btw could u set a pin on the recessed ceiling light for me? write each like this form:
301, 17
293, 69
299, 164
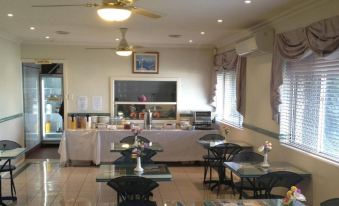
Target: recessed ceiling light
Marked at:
202, 33
248, 1
219, 20
47, 37
117, 39
10, 15
32, 28
190, 41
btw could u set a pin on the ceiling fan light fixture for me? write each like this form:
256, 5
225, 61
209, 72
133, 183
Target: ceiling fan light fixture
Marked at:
111, 13
124, 53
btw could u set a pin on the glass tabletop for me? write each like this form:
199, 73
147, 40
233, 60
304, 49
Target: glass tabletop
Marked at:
12, 153
208, 144
156, 172
119, 147
253, 170
248, 202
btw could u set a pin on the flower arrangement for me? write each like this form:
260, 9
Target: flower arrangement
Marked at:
266, 147
293, 194
137, 151
227, 131
136, 131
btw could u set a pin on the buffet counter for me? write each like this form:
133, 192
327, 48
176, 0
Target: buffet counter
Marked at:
94, 145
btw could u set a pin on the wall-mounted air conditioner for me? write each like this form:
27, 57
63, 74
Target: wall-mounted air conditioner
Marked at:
260, 43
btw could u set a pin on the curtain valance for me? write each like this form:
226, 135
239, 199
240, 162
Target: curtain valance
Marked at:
230, 60
321, 37
227, 60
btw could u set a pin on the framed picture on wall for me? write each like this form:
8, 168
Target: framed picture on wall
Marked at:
146, 63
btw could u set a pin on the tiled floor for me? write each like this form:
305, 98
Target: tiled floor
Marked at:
44, 152
47, 183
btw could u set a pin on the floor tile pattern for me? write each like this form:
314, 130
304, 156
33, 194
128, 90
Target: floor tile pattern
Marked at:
46, 183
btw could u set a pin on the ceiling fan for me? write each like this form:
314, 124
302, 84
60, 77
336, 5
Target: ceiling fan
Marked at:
123, 49
112, 10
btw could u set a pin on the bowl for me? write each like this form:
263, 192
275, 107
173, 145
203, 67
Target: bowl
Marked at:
94, 119
104, 119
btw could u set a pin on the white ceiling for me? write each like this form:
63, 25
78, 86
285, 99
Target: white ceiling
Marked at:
184, 17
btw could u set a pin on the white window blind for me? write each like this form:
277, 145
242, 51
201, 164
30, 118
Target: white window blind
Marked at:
226, 106
310, 106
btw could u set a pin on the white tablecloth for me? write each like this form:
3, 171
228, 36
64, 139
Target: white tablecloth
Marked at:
94, 145
79, 145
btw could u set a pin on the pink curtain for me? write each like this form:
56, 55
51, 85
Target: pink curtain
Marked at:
321, 37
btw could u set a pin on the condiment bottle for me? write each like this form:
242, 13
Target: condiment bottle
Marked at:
88, 121
48, 126
73, 122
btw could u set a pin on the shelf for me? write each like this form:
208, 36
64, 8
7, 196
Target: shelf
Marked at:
53, 133
146, 103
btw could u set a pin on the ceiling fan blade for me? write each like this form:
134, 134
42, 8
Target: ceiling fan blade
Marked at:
144, 12
137, 47
124, 2
67, 5
100, 48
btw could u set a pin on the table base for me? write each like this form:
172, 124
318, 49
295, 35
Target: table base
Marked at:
7, 198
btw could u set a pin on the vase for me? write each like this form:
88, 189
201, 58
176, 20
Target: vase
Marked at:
226, 138
135, 144
265, 162
138, 168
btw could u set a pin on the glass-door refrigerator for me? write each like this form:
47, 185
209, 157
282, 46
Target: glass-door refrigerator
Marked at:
51, 100
31, 94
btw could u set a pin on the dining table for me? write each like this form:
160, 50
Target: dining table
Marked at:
119, 147
248, 202
229, 202
252, 170
208, 144
156, 172
7, 156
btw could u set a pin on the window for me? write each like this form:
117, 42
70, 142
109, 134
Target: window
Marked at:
310, 106
226, 105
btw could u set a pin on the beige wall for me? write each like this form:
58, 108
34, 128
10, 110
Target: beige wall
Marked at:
89, 72
10, 90
325, 181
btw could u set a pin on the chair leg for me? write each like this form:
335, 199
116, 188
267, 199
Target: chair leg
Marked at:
205, 170
232, 182
221, 179
209, 185
13, 190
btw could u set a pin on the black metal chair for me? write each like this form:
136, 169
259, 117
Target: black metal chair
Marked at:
330, 202
222, 153
208, 156
133, 190
7, 166
272, 180
130, 139
247, 157
126, 158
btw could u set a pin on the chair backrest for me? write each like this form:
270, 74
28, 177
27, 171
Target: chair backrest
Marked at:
132, 187
126, 157
225, 152
130, 139
212, 137
330, 202
247, 156
283, 179
8, 144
